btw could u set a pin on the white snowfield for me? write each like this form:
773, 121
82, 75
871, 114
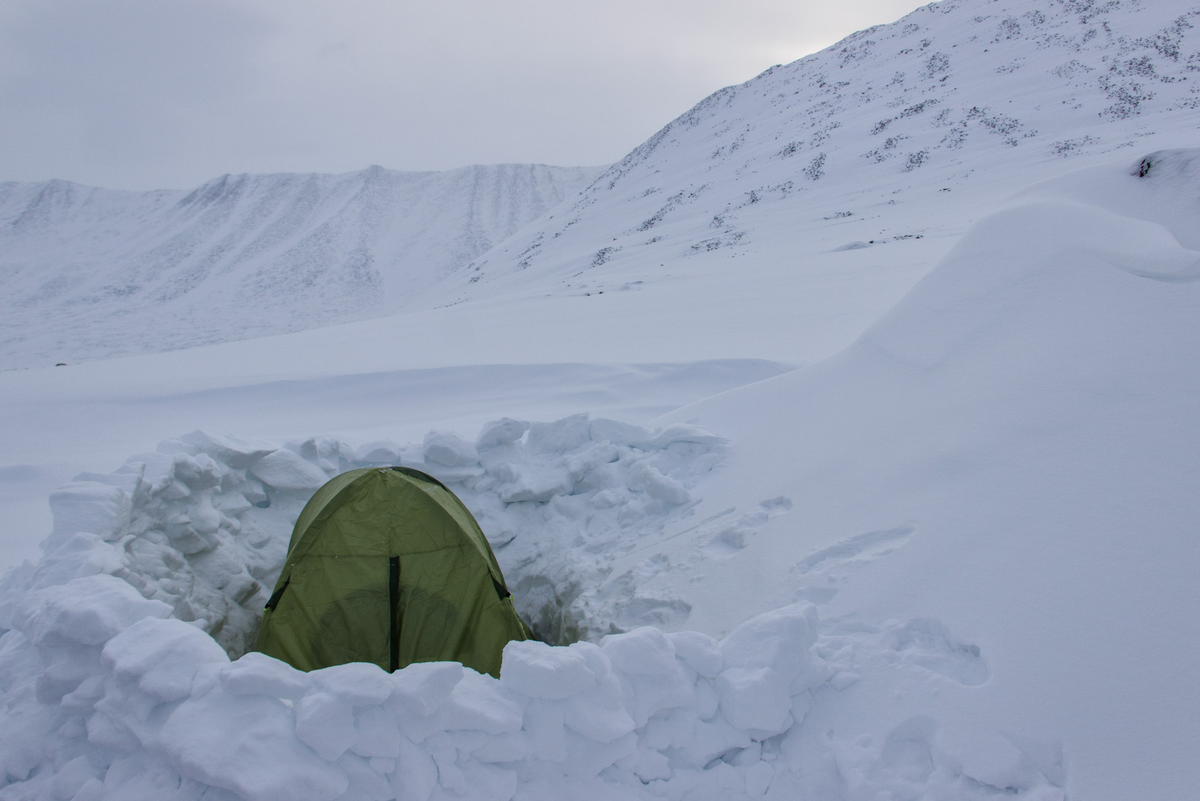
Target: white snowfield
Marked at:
953, 556
944, 488
89, 273
1012, 451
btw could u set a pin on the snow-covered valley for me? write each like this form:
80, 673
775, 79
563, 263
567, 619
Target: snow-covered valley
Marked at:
898, 450
89, 273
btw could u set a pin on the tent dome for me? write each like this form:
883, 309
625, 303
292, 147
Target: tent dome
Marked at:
387, 565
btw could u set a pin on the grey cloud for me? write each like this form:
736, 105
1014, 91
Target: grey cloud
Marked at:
152, 93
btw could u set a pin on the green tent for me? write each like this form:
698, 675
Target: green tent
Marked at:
386, 565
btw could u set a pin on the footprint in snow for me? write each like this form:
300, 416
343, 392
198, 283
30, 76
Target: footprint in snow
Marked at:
922, 644
727, 540
925, 643
820, 571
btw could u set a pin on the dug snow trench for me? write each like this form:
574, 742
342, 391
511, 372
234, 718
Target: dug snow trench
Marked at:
203, 524
117, 680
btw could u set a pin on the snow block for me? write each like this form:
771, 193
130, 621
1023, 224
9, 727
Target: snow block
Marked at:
259, 674
642, 652
227, 740
762, 657
501, 432
617, 433
532, 484
754, 698
228, 450
81, 555
599, 713
779, 639
325, 723
379, 452
161, 657
560, 436
288, 470
129, 481
90, 506
157, 470
422, 687
449, 450
378, 732
88, 610
197, 472
698, 651
663, 488
357, 683
542, 671
480, 703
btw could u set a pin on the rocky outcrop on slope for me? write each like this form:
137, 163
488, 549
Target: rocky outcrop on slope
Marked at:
957, 95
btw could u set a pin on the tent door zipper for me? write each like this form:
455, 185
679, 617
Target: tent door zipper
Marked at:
275, 596
394, 606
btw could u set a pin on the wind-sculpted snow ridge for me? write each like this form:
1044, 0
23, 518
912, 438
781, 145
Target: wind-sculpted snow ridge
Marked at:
829, 150
1013, 449
88, 273
116, 680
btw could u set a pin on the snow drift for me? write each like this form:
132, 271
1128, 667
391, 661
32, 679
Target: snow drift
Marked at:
1010, 451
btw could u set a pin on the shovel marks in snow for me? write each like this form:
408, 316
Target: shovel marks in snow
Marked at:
821, 570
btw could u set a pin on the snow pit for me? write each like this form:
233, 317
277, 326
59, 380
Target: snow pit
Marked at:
203, 524
116, 679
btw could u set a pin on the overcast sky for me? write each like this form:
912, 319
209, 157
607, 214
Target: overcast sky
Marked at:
144, 94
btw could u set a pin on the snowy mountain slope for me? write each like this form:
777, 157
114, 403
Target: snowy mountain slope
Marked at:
88, 273
1009, 453
899, 131
988, 497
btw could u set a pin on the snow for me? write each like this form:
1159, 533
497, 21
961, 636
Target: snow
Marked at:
898, 133
1005, 455
133, 687
93, 273
951, 555
209, 538
117, 651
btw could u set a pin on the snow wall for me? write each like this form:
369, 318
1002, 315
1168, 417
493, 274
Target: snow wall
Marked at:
117, 680
203, 524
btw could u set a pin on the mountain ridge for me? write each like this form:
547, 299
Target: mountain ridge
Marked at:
272, 253
944, 99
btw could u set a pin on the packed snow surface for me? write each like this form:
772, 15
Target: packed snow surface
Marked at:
952, 556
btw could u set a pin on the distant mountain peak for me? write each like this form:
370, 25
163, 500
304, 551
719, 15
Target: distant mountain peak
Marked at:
88, 272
